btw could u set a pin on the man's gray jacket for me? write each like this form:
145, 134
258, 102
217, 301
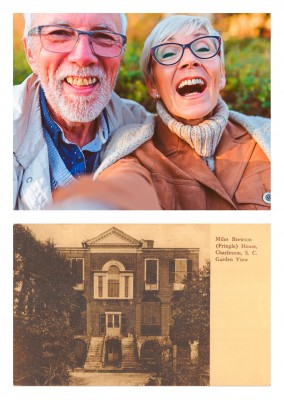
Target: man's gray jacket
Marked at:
32, 190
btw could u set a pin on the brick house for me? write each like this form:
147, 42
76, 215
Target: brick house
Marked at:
126, 288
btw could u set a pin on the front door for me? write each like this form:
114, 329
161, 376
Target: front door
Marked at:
113, 352
113, 324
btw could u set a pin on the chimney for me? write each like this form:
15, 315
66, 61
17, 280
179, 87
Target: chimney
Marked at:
147, 244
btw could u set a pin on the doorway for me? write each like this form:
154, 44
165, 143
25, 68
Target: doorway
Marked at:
113, 324
113, 353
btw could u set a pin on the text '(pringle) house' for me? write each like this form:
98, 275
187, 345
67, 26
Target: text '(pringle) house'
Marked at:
126, 289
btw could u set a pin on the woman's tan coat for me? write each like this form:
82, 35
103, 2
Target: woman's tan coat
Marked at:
182, 180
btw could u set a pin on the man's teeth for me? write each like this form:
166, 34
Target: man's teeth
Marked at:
81, 81
191, 82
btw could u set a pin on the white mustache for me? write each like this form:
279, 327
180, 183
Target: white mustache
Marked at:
63, 72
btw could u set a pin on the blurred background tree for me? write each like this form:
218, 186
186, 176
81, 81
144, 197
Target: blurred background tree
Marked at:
247, 56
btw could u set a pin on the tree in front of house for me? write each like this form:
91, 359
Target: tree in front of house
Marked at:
44, 298
191, 325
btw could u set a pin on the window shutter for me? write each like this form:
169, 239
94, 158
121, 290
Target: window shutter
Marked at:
73, 266
102, 324
189, 270
80, 277
171, 271
77, 269
123, 324
131, 287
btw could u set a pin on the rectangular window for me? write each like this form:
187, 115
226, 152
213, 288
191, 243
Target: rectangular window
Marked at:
151, 271
77, 269
116, 321
113, 320
151, 319
113, 288
179, 269
151, 313
151, 275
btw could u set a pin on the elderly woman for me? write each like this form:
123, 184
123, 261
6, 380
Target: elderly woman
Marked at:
198, 154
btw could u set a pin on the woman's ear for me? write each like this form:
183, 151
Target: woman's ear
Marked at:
151, 86
30, 55
222, 82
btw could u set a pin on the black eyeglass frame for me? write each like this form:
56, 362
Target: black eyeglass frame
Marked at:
186, 46
37, 31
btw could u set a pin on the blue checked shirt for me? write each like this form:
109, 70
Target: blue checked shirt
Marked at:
77, 160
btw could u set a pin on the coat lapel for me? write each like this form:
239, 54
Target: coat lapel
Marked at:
235, 145
232, 156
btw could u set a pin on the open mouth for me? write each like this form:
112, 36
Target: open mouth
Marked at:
188, 87
78, 81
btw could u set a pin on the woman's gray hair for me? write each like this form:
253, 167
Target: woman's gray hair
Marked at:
168, 27
29, 18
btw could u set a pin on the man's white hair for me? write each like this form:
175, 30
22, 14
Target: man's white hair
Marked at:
29, 18
168, 27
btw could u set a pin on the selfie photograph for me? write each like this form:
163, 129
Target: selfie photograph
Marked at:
110, 116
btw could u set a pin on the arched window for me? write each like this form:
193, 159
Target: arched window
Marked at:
113, 281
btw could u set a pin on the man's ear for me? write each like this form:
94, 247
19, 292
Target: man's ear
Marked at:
30, 56
151, 86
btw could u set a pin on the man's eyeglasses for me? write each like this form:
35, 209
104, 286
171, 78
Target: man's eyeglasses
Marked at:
171, 53
62, 39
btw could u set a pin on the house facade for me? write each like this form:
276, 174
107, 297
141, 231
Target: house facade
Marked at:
126, 289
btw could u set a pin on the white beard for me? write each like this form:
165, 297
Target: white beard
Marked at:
78, 108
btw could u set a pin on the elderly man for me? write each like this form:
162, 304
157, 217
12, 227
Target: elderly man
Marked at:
66, 111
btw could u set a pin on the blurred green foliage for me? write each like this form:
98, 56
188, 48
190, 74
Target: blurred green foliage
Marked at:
130, 82
21, 67
247, 63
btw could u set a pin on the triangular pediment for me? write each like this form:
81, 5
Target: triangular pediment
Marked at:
113, 237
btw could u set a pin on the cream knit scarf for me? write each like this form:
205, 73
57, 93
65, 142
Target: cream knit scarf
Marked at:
203, 138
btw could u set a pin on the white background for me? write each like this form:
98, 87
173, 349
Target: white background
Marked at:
8, 217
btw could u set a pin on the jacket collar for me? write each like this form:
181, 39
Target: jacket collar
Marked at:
168, 142
235, 141
27, 127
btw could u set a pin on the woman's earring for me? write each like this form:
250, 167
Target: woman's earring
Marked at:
157, 96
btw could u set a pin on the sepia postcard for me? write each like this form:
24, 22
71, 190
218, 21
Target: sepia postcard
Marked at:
142, 305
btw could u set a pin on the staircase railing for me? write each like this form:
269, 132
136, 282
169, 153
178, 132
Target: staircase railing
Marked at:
89, 339
135, 346
103, 352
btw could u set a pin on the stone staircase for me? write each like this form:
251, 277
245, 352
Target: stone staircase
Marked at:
94, 356
129, 356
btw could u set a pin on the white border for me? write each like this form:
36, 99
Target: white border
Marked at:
8, 217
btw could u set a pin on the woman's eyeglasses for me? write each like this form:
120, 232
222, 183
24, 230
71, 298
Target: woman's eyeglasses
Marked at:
171, 53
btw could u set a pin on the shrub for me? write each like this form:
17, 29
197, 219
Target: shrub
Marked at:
248, 76
21, 67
